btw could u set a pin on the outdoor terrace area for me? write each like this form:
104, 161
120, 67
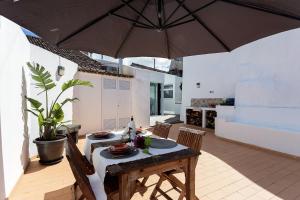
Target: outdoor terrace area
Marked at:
225, 170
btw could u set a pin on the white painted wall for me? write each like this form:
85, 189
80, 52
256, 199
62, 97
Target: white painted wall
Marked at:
281, 140
268, 103
173, 105
264, 78
141, 96
2, 179
87, 111
14, 53
141, 93
275, 58
178, 91
212, 72
50, 61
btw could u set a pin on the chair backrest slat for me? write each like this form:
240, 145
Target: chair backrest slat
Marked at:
73, 151
81, 179
162, 129
191, 138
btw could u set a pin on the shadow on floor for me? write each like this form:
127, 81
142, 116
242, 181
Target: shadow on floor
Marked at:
66, 193
35, 166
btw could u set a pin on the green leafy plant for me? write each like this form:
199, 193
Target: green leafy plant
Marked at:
147, 142
50, 116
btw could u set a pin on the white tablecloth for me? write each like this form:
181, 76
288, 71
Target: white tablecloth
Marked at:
88, 142
118, 136
100, 163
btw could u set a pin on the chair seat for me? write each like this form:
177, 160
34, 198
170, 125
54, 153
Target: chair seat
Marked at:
97, 187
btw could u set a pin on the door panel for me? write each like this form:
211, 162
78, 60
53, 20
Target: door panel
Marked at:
109, 103
109, 124
124, 102
123, 122
116, 103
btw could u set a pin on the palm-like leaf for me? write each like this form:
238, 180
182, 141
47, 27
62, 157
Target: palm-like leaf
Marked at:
57, 113
68, 100
40, 120
41, 76
75, 82
36, 105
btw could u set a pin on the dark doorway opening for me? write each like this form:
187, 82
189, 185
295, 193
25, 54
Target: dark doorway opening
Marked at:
155, 99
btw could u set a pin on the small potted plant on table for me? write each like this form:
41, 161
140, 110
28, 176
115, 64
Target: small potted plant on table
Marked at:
49, 144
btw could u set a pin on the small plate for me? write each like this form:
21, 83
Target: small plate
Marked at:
130, 153
119, 149
101, 134
108, 136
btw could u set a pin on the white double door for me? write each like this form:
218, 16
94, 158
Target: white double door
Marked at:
116, 103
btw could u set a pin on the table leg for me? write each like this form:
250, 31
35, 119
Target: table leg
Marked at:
190, 179
124, 187
203, 118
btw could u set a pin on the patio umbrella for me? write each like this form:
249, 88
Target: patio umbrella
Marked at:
160, 28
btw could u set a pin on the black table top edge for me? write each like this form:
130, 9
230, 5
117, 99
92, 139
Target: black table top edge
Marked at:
122, 168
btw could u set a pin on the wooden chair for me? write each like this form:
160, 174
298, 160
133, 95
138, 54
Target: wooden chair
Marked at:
82, 181
161, 129
188, 137
82, 161
86, 178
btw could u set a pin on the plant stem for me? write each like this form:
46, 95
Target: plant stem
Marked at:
47, 104
55, 102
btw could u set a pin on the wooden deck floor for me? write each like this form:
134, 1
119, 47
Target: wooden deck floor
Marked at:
225, 170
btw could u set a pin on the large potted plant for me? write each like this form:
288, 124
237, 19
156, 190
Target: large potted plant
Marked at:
49, 144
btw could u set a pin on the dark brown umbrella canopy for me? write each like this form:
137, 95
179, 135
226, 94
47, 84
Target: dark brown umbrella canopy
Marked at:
160, 28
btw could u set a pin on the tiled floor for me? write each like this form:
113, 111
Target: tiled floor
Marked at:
225, 170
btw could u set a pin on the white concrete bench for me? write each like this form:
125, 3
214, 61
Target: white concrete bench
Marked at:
277, 129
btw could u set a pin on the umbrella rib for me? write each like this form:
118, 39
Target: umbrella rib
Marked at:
146, 27
190, 13
89, 24
158, 11
179, 23
262, 9
130, 30
127, 3
132, 20
205, 26
174, 11
165, 30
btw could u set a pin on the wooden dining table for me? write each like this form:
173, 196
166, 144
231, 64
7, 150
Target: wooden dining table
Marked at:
129, 172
